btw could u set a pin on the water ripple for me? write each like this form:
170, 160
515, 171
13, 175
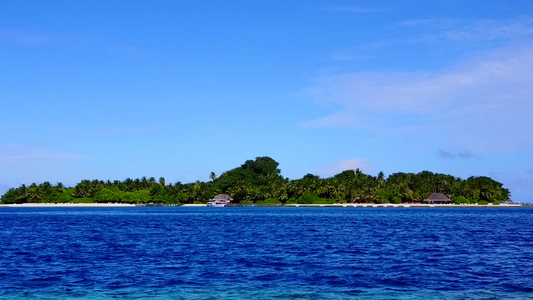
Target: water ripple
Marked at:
307, 253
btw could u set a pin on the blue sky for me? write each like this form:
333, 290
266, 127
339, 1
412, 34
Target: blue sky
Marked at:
117, 89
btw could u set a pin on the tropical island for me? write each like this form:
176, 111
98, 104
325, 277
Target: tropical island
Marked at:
259, 182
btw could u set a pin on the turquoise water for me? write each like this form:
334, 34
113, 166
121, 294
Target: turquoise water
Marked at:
266, 253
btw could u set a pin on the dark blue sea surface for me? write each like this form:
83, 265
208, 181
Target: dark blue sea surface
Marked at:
266, 253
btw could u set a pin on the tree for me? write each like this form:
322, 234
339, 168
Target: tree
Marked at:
380, 179
44, 190
261, 166
212, 176
384, 196
60, 187
108, 195
22, 194
57, 197
11, 196
260, 179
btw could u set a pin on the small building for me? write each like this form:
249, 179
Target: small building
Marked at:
220, 200
438, 198
223, 197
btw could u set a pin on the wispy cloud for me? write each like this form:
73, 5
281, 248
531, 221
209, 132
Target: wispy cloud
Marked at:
25, 37
131, 130
426, 92
449, 32
6, 132
16, 153
343, 56
355, 9
474, 30
349, 164
131, 52
126, 131
36, 38
452, 155
446, 154
487, 99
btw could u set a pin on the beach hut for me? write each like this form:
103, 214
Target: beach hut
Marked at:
220, 200
438, 198
223, 197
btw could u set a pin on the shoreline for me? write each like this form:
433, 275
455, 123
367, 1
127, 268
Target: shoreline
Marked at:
403, 205
361, 205
69, 205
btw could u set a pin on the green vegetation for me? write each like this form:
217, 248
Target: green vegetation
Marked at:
269, 201
310, 198
259, 181
460, 200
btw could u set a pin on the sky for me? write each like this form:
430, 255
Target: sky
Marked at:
179, 89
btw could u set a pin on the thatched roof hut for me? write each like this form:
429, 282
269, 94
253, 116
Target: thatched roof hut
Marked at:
223, 197
438, 198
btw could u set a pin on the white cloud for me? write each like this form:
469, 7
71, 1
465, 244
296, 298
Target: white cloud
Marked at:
343, 165
458, 33
421, 92
484, 102
17, 153
476, 30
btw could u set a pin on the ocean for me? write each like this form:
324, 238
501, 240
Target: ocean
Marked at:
266, 253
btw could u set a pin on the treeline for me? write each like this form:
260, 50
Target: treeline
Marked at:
259, 181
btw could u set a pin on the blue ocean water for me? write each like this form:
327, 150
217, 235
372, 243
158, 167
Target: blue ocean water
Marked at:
266, 253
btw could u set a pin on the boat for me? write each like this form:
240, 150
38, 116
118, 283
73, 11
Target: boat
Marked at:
217, 203
220, 200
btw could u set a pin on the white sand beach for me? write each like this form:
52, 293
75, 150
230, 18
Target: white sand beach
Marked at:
287, 205
69, 205
399, 205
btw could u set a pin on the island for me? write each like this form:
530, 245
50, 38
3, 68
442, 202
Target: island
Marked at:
259, 182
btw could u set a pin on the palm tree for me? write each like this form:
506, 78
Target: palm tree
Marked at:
212, 176
60, 187
264, 192
380, 179
23, 194
144, 182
